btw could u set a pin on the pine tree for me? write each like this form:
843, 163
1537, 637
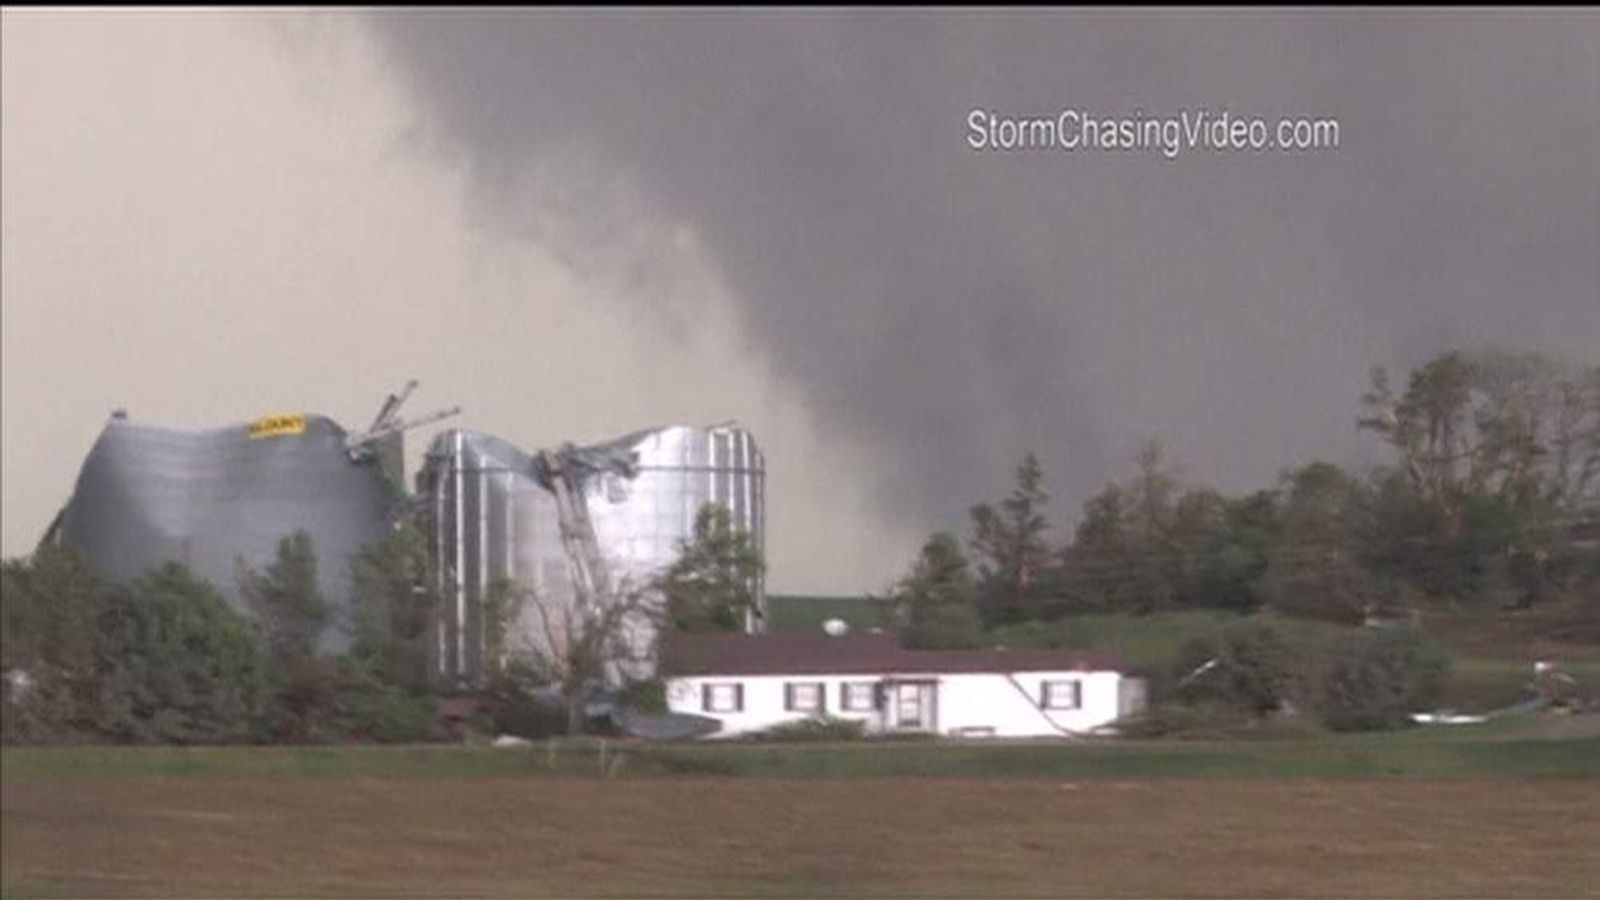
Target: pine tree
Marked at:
934, 604
291, 615
1014, 558
177, 664
395, 601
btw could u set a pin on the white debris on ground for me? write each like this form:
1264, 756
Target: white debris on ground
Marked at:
1447, 719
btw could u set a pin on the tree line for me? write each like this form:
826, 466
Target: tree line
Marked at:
166, 659
1488, 501
1490, 498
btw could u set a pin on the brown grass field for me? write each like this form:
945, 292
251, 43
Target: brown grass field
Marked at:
471, 837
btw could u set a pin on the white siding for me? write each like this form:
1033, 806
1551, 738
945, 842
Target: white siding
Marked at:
1011, 704
764, 700
1001, 704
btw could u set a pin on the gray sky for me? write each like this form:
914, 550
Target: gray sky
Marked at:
576, 224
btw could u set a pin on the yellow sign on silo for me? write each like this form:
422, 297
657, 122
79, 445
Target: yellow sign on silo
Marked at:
277, 426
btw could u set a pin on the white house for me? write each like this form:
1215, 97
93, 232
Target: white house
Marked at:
751, 682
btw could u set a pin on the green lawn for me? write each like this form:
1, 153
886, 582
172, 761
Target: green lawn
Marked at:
804, 612
1511, 746
1151, 644
1480, 683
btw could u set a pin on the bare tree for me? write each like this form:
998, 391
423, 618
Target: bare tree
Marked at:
586, 644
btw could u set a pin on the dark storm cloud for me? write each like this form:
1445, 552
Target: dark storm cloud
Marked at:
955, 309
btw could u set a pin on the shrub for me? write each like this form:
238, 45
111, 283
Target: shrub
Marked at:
1250, 668
390, 716
646, 696
303, 702
1210, 722
1375, 677
1205, 721
531, 717
816, 728
178, 664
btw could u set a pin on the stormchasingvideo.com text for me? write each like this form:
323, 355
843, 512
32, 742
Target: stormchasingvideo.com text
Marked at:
1203, 130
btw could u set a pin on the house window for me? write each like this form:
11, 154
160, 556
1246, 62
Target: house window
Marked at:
803, 696
722, 698
1063, 694
858, 696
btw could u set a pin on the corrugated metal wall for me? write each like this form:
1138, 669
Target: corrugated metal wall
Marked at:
490, 519
147, 495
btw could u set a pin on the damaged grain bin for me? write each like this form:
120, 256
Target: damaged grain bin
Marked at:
496, 516
148, 495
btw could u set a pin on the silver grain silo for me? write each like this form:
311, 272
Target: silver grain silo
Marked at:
488, 519
494, 517
148, 495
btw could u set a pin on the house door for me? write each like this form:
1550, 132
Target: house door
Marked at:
913, 707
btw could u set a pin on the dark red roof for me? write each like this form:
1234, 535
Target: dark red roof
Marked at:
724, 653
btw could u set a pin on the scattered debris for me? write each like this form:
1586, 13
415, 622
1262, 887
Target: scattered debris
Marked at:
1199, 670
1551, 689
1560, 690
1446, 718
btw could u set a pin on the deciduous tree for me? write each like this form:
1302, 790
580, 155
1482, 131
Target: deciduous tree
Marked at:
713, 584
584, 648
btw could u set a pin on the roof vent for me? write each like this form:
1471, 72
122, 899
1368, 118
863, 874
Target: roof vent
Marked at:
836, 627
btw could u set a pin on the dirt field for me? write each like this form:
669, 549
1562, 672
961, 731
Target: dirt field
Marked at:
164, 836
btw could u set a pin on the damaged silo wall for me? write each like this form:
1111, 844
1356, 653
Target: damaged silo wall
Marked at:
208, 499
492, 520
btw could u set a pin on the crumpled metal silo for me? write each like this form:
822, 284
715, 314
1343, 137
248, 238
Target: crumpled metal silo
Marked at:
148, 495
494, 516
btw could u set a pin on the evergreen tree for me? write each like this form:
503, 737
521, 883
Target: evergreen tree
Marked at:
396, 598
934, 604
1124, 557
176, 664
292, 616
1014, 557
48, 638
1222, 548
287, 601
1315, 567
